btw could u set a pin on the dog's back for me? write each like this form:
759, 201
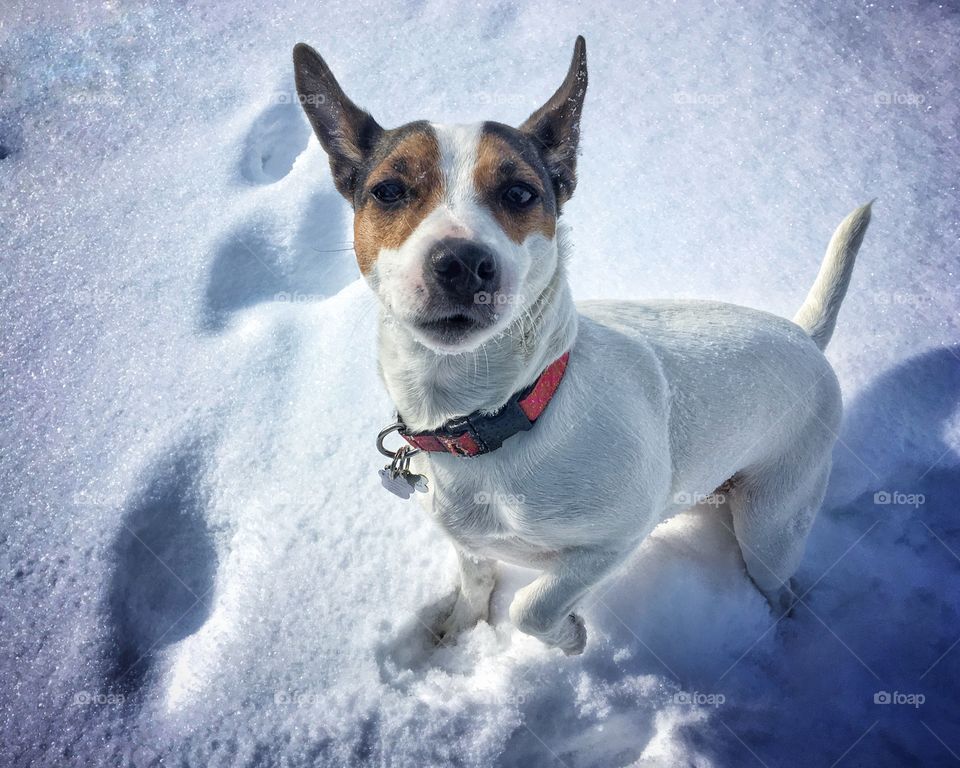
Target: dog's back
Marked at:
717, 357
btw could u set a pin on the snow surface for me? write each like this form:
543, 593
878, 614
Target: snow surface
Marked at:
199, 565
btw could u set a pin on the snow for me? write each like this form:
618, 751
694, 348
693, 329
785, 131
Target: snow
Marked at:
199, 565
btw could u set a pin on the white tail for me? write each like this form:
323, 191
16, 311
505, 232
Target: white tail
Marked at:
818, 314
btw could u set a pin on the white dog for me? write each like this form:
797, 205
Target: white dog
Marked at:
558, 436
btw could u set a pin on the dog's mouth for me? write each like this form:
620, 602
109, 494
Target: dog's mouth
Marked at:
453, 329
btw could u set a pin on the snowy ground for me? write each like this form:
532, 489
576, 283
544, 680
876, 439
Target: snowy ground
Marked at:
198, 563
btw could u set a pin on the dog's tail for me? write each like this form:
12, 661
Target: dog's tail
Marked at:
818, 314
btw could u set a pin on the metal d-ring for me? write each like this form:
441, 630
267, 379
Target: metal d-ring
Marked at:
405, 450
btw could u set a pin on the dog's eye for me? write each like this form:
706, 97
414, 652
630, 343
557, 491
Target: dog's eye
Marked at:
389, 192
518, 196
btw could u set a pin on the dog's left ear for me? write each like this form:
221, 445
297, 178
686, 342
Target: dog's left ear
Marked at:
555, 127
347, 133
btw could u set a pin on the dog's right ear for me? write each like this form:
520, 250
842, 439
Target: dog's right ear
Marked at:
346, 132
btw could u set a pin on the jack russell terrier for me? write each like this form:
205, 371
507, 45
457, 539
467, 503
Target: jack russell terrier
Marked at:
552, 435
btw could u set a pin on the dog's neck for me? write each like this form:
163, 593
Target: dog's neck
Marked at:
429, 388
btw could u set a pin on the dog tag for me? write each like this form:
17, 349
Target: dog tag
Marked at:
397, 478
417, 482
396, 483
402, 483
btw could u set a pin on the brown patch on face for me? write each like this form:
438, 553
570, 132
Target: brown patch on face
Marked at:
414, 162
498, 167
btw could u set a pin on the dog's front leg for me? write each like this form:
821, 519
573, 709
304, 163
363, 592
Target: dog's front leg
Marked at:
544, 608
472, 604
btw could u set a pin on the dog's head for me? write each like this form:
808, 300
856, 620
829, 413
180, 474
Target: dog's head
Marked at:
455, 227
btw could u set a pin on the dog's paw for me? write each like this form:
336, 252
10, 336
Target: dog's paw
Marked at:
576, 636
783, 599
462, 617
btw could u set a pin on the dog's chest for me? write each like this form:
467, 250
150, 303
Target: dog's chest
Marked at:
497, 525
499, 512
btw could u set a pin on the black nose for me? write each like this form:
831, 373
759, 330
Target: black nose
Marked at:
462, 269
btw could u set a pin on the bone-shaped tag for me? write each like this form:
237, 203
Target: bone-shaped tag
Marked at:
395, 483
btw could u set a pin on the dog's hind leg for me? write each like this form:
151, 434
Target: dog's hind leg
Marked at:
773, 508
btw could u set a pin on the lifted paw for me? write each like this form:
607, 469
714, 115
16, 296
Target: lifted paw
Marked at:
577, 636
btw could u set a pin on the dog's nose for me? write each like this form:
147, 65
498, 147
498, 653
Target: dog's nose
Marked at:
463, 268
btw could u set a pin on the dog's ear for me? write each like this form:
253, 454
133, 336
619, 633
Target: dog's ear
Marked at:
346, 132
555, 127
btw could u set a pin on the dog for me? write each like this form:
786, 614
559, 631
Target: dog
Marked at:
556, 436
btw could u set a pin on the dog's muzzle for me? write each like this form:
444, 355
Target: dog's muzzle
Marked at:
463, 271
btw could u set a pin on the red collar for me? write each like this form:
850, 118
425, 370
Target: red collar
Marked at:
480, 433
